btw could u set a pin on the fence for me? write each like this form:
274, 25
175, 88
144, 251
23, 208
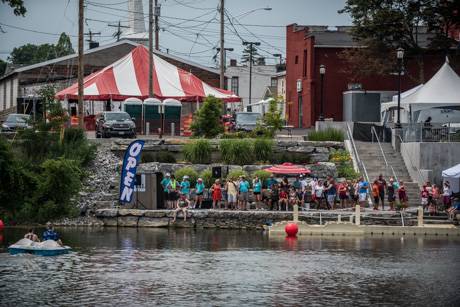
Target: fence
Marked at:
422, 132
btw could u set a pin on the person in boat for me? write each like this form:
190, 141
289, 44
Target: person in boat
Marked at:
51, 234
32, 236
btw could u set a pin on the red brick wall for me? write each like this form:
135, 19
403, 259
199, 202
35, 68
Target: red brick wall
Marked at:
336, 79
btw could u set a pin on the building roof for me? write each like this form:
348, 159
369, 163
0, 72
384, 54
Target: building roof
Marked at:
94, 57
340, 36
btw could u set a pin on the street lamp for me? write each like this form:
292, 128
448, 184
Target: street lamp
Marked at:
400, 57
322, 72
252, 11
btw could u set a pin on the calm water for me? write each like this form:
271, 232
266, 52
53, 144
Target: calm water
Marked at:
231, 268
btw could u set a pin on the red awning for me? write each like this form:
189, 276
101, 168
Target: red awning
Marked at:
129, 76
288, 169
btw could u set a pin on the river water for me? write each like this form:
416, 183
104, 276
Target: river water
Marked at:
126, 267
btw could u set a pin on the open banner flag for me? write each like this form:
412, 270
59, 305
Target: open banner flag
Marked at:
128, 171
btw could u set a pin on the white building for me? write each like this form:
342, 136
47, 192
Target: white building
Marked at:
238, 81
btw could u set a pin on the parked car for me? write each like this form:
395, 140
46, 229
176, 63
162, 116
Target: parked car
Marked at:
115, 124
16, 121
246, 121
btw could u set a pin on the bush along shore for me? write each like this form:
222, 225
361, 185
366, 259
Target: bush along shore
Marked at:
41, 172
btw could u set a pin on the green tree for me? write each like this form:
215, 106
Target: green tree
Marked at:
64, 45
30, 54
206, 121
385, 25
246, 54
273, 118
17, 5
2, 67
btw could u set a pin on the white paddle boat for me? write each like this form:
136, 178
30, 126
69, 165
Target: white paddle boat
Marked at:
45, 248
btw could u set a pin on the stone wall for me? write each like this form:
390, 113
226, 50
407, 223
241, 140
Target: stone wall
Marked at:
311, 151
236, 219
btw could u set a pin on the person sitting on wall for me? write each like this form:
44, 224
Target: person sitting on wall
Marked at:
51, 234
183, 206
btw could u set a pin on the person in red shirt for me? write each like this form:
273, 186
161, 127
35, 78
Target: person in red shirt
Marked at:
216, 192
343, 190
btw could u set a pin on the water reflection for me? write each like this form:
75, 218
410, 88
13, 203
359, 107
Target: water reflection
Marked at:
214, 267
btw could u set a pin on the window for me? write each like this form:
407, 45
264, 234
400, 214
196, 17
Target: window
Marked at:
304, 72
296, 59
234, 85
274, 82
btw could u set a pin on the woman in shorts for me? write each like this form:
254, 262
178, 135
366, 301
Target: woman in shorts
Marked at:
182, 205
257, 191
199, 188
391, 194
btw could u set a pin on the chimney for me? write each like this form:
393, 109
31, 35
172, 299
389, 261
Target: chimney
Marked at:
233, 62
135, 17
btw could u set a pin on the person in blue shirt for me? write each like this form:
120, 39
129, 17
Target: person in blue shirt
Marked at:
185, 187
363, 187
257, 190
271, 181
243, 187
51, 234
166, 183
199, 188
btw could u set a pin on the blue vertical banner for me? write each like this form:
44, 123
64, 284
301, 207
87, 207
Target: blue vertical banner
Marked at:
128, 171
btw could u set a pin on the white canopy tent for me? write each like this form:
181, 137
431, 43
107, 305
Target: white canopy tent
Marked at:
453, 176
441, 92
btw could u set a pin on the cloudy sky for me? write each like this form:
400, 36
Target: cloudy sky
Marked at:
189, 29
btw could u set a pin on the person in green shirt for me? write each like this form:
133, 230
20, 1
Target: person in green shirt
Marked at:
257, 191
165, 183
199, 189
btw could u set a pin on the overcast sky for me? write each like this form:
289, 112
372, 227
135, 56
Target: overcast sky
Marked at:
178, 35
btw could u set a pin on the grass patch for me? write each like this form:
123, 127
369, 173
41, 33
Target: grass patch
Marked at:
330, 134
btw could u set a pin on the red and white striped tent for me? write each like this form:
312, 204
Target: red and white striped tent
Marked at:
128, 77
287, 169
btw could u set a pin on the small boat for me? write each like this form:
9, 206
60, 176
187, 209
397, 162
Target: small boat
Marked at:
45, 248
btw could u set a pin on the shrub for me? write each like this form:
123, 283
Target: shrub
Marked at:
206, 121
237, 151
262, 174
263, 149
339, 156
347, 171
329, 134
206, 175
273, 119
235, 174
187, 171
198, 151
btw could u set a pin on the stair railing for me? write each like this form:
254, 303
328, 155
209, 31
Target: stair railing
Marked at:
358, 160
387, 165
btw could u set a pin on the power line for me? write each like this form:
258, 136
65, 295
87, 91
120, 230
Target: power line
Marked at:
41, 32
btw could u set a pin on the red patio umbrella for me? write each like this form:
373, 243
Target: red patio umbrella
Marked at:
288, 169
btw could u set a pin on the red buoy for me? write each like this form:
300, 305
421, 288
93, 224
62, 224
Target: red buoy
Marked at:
291, 229
2, 225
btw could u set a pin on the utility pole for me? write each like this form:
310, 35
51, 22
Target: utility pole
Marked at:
222, 54
251, 49
92, 44
119, 32
80, 64
157, 28
225, 60
151, 48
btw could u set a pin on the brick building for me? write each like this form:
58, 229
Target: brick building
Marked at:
308, 47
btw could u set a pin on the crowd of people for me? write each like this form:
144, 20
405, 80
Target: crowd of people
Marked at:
307, 192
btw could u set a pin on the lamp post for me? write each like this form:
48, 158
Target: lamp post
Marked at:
400, 57
322, 72
242, 15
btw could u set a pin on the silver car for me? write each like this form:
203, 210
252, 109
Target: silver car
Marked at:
15, 122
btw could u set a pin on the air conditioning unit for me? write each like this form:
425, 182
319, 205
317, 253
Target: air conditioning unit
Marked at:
299, 85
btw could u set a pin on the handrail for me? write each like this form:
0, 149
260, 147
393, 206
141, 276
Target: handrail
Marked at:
360, 163
410, 160
383, 153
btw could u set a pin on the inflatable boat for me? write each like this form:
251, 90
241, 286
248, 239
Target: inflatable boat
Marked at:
45, 248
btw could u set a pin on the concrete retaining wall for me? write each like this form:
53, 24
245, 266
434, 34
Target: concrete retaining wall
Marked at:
237, 219
430, 158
